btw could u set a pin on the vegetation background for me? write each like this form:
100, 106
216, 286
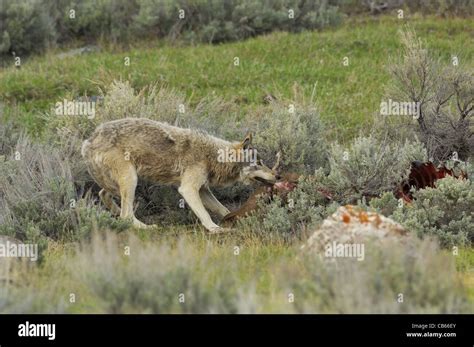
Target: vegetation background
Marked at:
91, 262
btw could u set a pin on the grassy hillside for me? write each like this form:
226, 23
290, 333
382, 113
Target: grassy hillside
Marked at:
285, 65
110, 267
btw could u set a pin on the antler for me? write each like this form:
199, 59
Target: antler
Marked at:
277, 164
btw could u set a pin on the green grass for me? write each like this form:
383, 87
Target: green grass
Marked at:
289, 66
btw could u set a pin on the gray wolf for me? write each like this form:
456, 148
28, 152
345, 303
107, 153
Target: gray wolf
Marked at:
121, 151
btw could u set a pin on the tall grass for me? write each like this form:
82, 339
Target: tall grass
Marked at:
123, 274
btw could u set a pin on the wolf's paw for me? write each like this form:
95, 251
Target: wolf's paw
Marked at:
218, 230
138, 224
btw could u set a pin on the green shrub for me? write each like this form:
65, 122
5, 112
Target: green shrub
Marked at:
369, 167
39, 200
25, 27
446, 211
32, 25
386, 204
444, 94
216, 21
298, 135
111, 19
442, 8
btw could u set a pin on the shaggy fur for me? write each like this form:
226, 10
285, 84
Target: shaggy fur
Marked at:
120, 151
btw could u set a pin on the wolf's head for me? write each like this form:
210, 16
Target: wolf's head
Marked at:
254, 169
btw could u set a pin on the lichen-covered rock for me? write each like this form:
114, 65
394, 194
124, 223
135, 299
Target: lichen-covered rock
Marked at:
353, 225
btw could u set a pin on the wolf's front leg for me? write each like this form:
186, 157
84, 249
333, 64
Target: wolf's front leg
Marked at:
191, 183
211, 202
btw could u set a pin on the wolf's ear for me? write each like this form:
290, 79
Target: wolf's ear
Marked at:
247, 141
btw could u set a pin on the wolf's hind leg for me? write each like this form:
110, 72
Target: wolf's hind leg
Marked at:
127, 180
108, 201
211, 202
